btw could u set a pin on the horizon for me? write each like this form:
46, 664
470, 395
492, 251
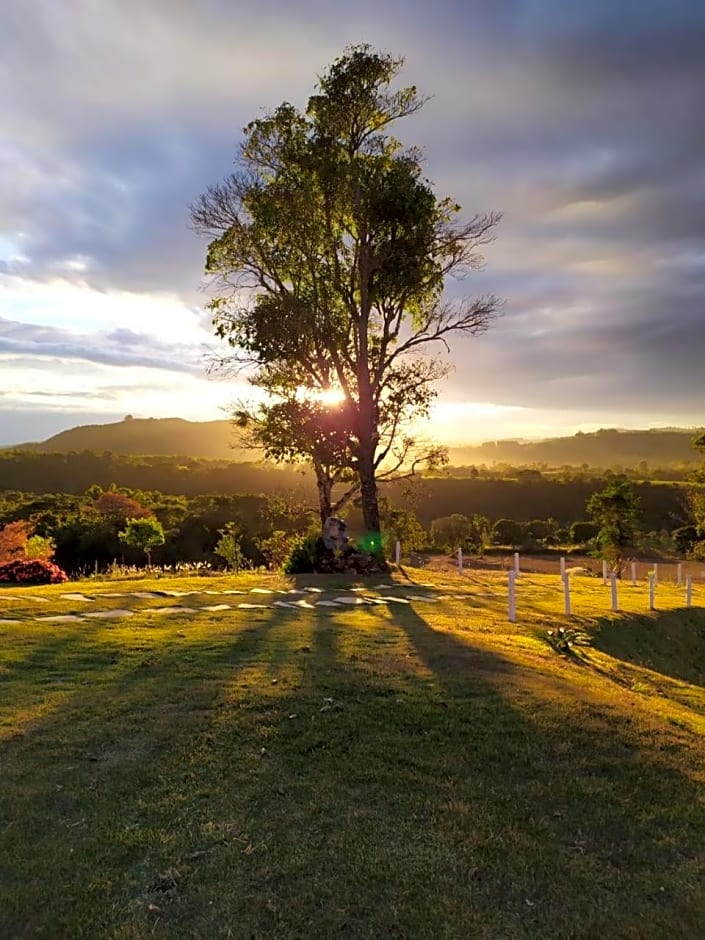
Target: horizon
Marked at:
577, 123
457, 444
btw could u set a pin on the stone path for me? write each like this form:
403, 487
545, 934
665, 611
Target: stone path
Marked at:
308, 598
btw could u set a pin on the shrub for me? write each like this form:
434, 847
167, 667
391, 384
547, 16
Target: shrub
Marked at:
507, 532
581, 532
31, 571
302, 555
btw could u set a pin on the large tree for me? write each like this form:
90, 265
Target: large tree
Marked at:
329, 250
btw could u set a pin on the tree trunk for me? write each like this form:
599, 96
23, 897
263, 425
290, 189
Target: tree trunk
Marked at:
325, 495
368, 492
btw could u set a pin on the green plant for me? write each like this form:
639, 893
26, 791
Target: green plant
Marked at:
563, 639
143, 534
302, 555
229, 547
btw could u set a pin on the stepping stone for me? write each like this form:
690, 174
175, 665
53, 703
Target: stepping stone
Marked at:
350, 600
314, 590
214, 607
59, 618
76, 597
422, 597
253, 606
379, 587
110, 614
327, 604
233, 592
176, 593
172, 610
395, 600
9, 622
111, 594
146, 595
284, 604
303, 604
261, 591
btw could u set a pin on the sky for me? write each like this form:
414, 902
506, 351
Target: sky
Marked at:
581, 121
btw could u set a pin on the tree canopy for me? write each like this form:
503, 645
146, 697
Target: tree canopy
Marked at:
329, 252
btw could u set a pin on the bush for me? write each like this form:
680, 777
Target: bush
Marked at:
302, 555
581, 532
32, 571
508, 532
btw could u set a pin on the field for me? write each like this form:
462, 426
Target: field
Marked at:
176, 766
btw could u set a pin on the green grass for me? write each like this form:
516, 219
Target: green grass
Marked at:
423, 770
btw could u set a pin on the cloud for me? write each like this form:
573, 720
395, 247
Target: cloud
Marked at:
581, 121
120, 347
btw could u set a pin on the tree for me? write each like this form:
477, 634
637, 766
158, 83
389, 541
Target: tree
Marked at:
581, 532
143, 534
507, 532
13, 538
615, 511
229, 546
451, 532
329, 251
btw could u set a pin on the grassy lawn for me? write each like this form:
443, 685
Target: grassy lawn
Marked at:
400, 770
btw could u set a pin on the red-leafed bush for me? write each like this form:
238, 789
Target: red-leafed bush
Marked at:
31, 571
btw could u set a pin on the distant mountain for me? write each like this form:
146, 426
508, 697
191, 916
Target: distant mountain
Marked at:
220, 441
154, 436
604, 448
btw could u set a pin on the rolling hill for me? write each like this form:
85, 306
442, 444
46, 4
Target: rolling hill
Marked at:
220, 441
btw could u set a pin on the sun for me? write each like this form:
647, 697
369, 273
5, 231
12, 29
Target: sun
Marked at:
330, 397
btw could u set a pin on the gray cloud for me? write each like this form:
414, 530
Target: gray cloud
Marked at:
117, 348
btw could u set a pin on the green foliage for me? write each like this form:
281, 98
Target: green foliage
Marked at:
582, 532
143, 534
615, 510
229, 546
507, 532
451, 532
302, 555
565, 639
38, 546
403, 526
277, 548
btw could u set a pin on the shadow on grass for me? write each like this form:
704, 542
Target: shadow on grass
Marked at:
669, 642
394, 782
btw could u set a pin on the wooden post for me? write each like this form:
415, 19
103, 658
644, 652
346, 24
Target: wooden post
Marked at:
655, 572
652, 592
516, 564
512, 597
397, 552
604, 571
460, 561
633, 574
566, 594
613, 584
688, 590
563, 566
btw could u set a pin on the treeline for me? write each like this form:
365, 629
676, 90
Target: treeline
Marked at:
526, 495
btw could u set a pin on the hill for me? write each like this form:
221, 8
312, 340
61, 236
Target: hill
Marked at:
220, 441
605, 448
154, 436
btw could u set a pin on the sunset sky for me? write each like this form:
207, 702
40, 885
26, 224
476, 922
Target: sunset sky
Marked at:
582, 121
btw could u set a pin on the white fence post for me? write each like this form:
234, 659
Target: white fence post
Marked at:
679, 574
563, 566
512, 597
460, 561
604, 571
688, 590
566, 594
652, 591
397, 552
613, 584
516, 564
633, 574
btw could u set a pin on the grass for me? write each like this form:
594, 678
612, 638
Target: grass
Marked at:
421, 770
